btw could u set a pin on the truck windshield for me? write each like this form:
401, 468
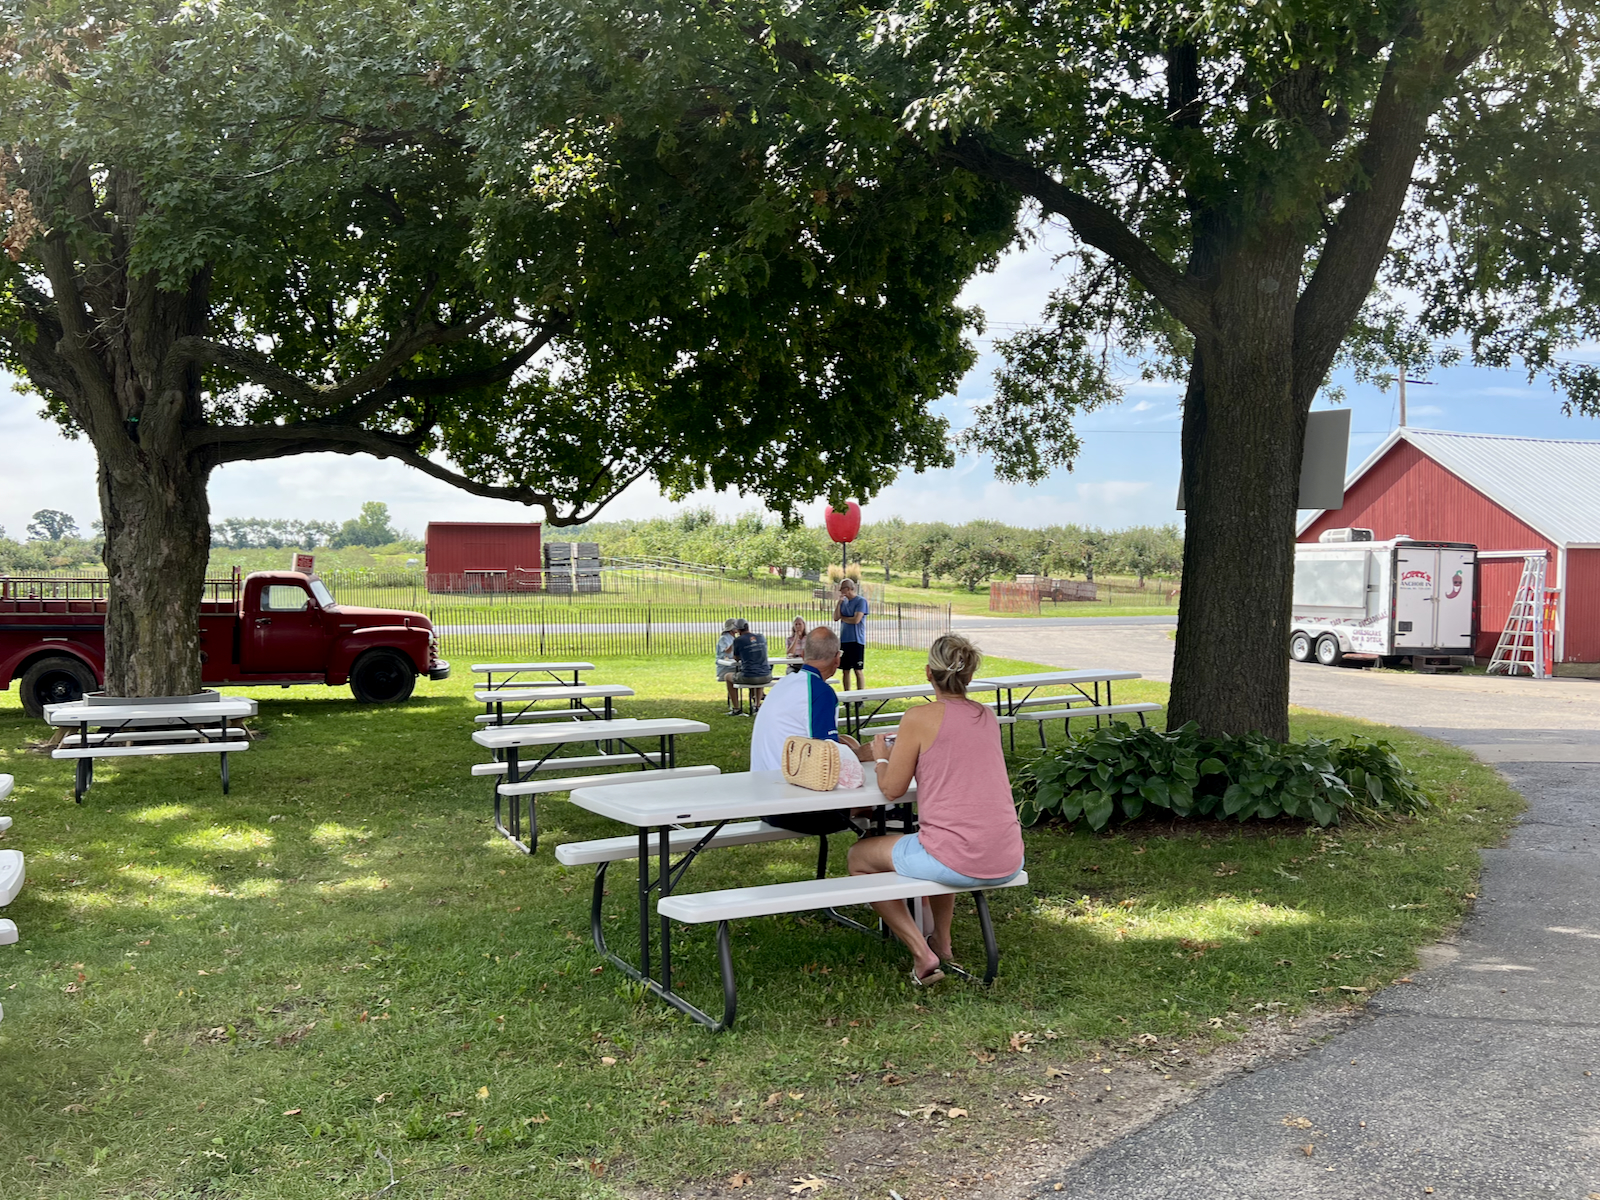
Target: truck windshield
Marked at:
323, 595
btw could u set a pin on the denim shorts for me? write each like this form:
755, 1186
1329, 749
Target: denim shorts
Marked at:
912, 861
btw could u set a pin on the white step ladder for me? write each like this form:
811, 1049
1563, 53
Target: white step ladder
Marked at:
1521, 647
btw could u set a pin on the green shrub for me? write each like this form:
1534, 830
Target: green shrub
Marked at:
1120, 770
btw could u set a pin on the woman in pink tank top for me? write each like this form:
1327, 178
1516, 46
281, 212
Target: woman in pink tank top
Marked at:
968, 835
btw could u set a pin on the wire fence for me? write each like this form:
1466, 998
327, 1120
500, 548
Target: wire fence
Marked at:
535, 628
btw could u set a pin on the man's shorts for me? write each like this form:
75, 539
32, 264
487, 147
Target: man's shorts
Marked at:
751, 680
852, 655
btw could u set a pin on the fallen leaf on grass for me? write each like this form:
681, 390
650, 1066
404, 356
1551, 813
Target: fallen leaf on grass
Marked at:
1019, 1042
1035, 1098
539, 1120
460, 1112
607, 1061
982, 1055
294, 1035
381, 1097
892, 1081
1057, 1073
806, 1183
740, 1180
76, 1108
1344, 987
953, 1113
483, 1093
292, 1112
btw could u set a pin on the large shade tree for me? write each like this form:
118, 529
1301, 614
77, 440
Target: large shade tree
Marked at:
1242, 179
538, 251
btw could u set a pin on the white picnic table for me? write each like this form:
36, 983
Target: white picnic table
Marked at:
658, 811
1083, 693
575, 696
852, 701
509, 741
553, 669
149, 728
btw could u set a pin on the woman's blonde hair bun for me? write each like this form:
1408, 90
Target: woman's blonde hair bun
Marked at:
952, 662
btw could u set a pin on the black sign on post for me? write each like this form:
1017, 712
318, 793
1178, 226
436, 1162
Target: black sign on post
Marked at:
1322, 468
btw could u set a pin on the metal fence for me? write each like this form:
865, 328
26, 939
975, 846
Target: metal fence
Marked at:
530, 628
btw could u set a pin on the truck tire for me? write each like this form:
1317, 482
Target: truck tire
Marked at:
55, 680
382, 677
1328, 652
1300, 646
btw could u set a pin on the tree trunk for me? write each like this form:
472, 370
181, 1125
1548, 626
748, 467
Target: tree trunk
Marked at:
1243, 438
158, 536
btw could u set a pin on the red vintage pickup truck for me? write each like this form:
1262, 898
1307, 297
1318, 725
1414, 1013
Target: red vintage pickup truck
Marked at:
278, 627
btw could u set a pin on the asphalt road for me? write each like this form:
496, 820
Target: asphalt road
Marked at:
1480, 1080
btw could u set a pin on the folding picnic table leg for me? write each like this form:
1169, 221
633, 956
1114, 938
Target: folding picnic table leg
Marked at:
644, 902
224, 759
664, 875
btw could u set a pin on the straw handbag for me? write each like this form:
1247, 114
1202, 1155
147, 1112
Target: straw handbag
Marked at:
811, 763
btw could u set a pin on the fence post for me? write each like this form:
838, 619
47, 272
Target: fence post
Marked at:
648, 610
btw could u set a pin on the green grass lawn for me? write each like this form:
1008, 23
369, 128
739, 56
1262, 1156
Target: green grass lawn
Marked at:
255, 995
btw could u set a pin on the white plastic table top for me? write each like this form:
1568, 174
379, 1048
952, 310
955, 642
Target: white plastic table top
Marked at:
719, 798
501, 737
771, 662
508, 668
6, 783
1050, 679
78, 713
522, 695
908, 691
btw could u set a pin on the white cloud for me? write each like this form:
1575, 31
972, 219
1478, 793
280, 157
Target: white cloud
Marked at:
1423, 410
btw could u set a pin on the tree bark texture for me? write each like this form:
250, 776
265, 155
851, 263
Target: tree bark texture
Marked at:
1243, 438
158, 542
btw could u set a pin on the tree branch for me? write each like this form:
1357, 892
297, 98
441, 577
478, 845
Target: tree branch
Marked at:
1359, 239
257, 443
1098, 226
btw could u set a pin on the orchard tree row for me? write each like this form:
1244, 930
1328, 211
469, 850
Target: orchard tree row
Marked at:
968, 554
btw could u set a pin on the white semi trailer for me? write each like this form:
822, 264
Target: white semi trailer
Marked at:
1355, 597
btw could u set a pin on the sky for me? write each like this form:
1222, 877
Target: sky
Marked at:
1126, 475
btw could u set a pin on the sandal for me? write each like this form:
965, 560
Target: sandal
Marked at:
932, 977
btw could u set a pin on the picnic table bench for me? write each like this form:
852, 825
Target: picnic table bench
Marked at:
727, 811
510, 741
146, 728
12, 871
557, 671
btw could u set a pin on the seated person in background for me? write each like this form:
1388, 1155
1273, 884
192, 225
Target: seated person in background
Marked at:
749, 650
726, 667
803, 705
969, 835
795, 647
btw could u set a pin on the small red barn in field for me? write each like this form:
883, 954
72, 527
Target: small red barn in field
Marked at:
1498, 493
483, 556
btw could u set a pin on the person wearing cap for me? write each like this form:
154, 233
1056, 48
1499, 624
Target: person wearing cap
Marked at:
726, 667
749, 651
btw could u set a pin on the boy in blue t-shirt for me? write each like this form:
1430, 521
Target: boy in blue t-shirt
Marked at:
851, 613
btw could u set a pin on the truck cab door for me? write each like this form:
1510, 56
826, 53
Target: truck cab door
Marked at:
285, 633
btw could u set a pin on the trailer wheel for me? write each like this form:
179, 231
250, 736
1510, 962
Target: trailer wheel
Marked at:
1300, 645
1328, 652
382, 677
55, 680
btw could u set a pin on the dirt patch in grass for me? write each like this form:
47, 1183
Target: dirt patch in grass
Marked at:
1010, 1125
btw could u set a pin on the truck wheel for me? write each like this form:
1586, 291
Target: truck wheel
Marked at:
1300, 645
382, 677
58, 680
1328, 652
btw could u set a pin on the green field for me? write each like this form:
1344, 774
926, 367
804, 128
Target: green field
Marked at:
258, 995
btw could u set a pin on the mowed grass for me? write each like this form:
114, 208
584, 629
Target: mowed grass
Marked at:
258, 995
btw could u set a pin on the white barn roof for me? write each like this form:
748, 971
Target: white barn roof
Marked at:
1551, 484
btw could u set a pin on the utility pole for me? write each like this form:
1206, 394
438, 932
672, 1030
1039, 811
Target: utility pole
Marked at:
1402, 397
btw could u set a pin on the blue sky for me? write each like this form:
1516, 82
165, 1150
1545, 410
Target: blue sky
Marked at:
1127, 474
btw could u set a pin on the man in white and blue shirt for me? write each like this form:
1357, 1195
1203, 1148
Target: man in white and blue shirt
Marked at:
803, 705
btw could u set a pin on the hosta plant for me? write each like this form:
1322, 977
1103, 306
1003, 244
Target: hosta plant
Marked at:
1118, 771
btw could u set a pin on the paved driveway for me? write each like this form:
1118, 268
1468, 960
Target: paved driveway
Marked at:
1480, 1080
1438, 702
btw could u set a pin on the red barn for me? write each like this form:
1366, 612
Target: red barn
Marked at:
1498, 493
484, 556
